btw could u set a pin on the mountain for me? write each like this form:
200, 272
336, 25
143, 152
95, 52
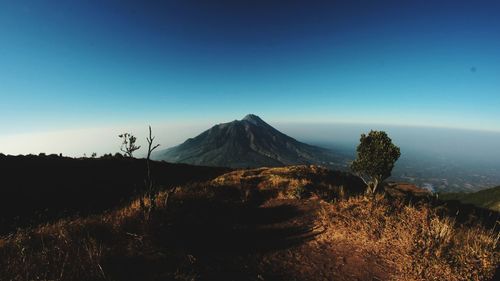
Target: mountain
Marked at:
486, 198
249, 142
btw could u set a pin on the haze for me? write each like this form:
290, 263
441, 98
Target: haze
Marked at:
466, 159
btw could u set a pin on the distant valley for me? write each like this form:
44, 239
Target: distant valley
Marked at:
439, 159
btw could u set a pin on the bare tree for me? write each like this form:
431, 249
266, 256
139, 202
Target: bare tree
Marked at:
128, 144
151, 191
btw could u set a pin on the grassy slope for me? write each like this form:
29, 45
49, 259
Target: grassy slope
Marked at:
487, 198
249, 225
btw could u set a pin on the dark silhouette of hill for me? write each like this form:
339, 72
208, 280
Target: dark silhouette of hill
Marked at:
249, 142
40, 188
486, 198
463, 212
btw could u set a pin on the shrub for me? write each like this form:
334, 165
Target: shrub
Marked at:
376, 155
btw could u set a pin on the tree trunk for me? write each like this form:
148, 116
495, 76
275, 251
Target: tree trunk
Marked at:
375, 185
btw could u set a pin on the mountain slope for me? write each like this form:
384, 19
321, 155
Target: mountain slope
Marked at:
486, 198
282, 223
249, 142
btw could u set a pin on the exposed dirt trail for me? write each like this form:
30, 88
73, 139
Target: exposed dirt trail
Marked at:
313, 259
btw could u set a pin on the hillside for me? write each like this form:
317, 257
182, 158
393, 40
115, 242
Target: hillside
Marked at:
42, 188
249, 142
486, 198
286, 223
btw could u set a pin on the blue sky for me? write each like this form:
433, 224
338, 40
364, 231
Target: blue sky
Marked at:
67, 65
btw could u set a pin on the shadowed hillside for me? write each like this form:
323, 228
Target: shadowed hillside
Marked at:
487, 198
39, 188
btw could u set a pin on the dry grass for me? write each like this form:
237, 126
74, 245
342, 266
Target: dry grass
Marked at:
282, 183
74, 248
288, 182
413, 240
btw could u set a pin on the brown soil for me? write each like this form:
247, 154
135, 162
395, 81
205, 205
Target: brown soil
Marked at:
314, 259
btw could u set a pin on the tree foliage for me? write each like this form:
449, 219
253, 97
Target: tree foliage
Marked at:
376, 156
128, 144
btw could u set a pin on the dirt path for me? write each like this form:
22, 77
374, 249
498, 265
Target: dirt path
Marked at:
280, 240
313, 259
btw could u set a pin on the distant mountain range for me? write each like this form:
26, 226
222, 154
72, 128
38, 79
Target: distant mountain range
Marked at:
249, 142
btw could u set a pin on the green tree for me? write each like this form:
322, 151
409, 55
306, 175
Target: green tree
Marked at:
128, 144
375, 159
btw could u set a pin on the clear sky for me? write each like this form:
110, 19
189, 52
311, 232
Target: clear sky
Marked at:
71, 65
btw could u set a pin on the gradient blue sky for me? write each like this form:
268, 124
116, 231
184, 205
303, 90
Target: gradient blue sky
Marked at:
82, 64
